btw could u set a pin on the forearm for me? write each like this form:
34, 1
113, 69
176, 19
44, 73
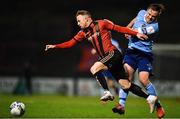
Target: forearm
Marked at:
67, 44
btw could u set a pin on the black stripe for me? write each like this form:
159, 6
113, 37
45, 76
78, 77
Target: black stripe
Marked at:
93, 40
113, 27
99, 38
76, 40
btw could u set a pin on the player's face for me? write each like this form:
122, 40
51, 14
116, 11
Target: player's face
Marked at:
82, 21
151, 15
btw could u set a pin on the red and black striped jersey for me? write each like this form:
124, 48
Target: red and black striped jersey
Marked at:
99, 34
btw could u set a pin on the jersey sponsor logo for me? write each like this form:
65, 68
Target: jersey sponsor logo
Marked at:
150, 30
146, 30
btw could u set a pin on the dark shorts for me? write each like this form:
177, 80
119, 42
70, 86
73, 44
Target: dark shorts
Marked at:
139, 60
113, 60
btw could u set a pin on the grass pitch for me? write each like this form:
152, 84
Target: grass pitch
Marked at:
56, 106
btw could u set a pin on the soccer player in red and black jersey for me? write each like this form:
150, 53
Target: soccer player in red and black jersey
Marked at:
99, 35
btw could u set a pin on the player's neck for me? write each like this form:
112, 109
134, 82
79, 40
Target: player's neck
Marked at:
89, 23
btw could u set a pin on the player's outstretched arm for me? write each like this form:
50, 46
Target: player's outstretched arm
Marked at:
67, 44
129, 31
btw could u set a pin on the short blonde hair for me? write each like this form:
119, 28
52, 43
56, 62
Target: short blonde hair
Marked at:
83, 12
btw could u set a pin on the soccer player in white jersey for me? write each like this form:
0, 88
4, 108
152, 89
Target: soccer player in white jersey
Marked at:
139, 54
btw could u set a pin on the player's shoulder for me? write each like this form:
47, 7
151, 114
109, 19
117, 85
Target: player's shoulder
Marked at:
142, 12
109, 21
104, 21
80, 35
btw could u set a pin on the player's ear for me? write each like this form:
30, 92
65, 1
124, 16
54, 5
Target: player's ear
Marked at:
87, 18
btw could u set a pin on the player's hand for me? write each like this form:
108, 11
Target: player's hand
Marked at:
127, 36
49, 47
142, 36
93, 51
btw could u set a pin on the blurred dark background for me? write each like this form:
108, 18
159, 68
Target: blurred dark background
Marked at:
28, 25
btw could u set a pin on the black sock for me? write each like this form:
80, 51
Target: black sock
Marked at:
101, 79
137, 90
158, 103
126, 91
